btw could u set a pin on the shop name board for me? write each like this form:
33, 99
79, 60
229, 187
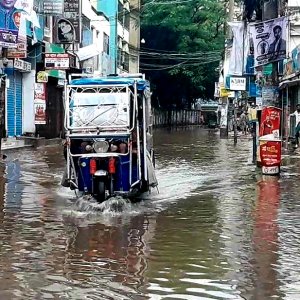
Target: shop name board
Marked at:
53, 7
22, 65
57, 61
238, 83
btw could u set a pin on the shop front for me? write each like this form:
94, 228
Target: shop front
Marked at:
14, 96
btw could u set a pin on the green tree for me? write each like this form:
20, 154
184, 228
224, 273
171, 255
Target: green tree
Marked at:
188, 38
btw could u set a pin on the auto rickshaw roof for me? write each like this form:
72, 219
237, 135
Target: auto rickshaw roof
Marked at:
141, 83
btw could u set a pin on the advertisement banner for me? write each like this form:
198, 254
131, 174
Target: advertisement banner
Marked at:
11, 13
224, 116
270, 122
270, 155
237, 83
269, 95
291, 66
57, 61
53, 7
236, 53
20, 51
223, 91
269, 40
67, 30
40, 103
42, 76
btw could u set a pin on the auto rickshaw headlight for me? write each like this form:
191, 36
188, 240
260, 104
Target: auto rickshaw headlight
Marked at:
101, 146
88, 148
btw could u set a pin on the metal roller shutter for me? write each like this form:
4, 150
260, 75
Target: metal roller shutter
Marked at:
11, 114
14, 105
19, 104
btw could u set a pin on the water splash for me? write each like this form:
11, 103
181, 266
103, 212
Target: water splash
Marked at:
114, 205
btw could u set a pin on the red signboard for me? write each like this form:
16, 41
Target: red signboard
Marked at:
270, 153
40, 103
270, 121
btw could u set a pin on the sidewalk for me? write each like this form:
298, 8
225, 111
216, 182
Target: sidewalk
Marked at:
25, 142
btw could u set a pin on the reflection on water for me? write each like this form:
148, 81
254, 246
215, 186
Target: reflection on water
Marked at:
216, 230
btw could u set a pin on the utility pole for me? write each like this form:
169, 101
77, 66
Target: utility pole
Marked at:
270, 11
235, 118
225, 102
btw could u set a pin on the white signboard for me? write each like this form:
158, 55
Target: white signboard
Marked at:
22, 65
57, 61
237, 83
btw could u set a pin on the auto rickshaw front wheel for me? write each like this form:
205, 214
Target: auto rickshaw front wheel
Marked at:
101, 195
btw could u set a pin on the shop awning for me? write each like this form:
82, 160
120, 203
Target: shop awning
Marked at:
87, 52
60, 74
288, 83
53, 48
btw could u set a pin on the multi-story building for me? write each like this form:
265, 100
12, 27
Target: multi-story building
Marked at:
135, 36
123, 17
86, 36
290, 81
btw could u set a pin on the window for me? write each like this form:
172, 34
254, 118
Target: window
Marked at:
105, 43
123, 16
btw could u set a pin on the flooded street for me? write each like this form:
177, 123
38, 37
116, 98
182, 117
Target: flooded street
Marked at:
216, 229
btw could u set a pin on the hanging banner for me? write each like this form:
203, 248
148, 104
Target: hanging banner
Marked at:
269, 40
236, 53
67, 30
270, 121
26, 6
40, 103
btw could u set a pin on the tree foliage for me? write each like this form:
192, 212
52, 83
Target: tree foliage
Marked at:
188, 36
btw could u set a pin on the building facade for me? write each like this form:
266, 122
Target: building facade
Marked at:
80, 36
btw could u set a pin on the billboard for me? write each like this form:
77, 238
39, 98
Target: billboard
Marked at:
11, 13
268, 39
67, 30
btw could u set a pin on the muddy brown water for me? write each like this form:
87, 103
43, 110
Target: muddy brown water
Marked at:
216, 230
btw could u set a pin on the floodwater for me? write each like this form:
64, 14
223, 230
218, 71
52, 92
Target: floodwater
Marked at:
216, 229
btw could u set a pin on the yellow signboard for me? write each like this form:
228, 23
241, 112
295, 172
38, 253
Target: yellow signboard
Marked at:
223, 91
42, 76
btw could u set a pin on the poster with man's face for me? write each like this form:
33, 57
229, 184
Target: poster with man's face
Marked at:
9, 23
67, 30
269, 40
11, 16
